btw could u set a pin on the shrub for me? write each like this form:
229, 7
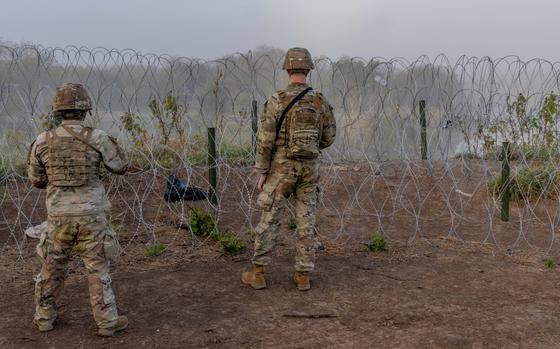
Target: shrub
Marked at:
231, 243
16, 165
235, 154
376, 242
170, 116
467, 155
132, 123
550, 263
202, 224
535, 152
528, 183
3, 173
155, 249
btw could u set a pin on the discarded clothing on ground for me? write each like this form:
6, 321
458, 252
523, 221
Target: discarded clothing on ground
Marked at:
178, 190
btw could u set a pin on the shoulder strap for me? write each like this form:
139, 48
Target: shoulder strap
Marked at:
287, 109
80, 137
49, 135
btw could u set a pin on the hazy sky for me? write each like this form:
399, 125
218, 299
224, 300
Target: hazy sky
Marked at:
366, 28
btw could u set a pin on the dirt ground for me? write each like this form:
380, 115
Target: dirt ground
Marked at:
441, 294
446, 282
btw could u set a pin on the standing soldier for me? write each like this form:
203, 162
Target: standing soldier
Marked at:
66, 161
295, 125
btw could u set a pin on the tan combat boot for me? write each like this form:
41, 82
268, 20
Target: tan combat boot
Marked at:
301, 278
122, 323
44, 326
255, 277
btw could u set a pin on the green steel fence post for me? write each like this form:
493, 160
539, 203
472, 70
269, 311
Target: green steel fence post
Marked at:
212, 175
423, 133
506, 182
254, 126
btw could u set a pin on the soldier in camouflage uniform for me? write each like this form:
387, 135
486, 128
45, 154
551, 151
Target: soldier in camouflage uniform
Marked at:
66, 161
287, 160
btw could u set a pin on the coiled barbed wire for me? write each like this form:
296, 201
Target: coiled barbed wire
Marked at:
373, 178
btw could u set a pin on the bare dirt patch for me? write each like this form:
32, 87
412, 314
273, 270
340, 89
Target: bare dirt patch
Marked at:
438, 295
439, 285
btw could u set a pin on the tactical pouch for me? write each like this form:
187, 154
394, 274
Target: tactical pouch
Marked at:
42, 247
265, 200
304, 123
303, 144
266, 197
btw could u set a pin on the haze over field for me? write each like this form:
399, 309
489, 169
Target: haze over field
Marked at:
367, 28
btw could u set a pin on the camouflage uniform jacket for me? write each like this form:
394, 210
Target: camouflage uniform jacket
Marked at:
82, 200
270, 116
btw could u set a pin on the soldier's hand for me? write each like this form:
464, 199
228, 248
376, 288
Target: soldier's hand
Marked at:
262, 181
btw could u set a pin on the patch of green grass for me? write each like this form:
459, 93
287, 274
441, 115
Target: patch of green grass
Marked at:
252, 235
376, 242
231, 243
467, 155
14, 166
161, 157
202, 224
167, 158
291, 222
198, 157
155, 250
550, 263
235, 154
536, 152
3, 173
528, 183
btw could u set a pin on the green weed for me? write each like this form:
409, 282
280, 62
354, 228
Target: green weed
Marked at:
202, 224
291, 222
155, 249
376, 242
528, 183
467, 155
252, 235
235, 154
231, 243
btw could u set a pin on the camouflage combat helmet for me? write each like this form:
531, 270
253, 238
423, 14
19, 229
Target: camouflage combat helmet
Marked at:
71, 97
298, 58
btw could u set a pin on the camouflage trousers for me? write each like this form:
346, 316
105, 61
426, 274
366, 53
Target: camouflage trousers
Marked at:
84, 235
290, 177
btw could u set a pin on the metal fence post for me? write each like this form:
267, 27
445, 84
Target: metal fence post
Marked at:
506, 182
423, 133
254, 126
212, 175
